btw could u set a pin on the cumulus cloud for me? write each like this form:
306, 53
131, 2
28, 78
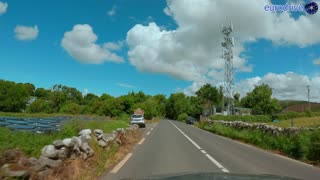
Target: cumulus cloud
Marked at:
80, 43
25, 33
126, 85
112, 11
192, 51
3, 7
113, 46
285, 86
316, 61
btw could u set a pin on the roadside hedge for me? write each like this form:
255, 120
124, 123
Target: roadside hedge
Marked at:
304, 146
246, 118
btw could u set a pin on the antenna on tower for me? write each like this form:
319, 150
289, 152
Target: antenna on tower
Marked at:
228, 70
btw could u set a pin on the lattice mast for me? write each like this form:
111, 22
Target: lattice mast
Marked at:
227, 55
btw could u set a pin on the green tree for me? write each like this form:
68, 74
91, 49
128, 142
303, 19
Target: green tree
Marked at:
40, 105
236, 98
88, 98
260, 101
71, 108
42, 93
183, 117
208, 95
13, 97
177, 104
112, 107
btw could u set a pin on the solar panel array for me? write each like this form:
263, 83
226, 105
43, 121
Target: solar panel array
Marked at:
37, 125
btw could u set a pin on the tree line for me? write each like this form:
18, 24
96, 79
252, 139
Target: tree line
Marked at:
25, 97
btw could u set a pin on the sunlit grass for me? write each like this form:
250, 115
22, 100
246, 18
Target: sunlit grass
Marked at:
299, 122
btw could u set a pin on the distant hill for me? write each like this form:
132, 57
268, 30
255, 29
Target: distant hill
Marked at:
299, 106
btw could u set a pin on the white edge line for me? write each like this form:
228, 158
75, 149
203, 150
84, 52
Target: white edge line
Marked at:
198, 147
141, 141
121, 163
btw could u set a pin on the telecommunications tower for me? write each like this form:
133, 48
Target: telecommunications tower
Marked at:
227, 55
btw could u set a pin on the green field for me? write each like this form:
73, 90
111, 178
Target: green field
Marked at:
32, 143
299, 122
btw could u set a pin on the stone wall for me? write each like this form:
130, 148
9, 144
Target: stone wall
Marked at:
275, 130
55, 154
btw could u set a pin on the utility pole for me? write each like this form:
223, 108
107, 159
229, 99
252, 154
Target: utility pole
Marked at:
308, 87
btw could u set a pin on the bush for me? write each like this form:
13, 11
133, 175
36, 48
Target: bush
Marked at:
305, 145
71, 108
182, 117
246, 118
314, 150
40, 105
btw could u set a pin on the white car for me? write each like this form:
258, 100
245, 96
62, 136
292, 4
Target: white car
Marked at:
138, 119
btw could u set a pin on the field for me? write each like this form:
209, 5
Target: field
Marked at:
32, 143
299, 106
299, 122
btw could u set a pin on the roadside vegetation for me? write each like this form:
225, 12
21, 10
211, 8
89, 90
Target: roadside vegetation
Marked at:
31, 143
303, 146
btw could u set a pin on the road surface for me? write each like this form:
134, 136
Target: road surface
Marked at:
171, 147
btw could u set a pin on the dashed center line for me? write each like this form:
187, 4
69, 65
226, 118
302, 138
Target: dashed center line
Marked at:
148, 133
203, 151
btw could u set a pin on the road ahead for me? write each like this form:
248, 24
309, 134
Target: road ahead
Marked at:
173, 147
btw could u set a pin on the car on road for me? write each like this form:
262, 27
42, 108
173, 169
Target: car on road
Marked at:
138, 118
191, 120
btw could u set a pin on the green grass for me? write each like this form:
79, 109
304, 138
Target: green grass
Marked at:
32, 143
302, 146
299, 122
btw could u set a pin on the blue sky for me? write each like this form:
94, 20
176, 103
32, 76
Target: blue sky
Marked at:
44, 62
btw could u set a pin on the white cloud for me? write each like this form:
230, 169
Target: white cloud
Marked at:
126, 85
85, 92
316, 61
3, 7
113, 46
25, 33
192, 51
285, 86
80, 43
112, 11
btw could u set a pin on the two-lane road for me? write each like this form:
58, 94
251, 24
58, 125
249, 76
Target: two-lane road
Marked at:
173, 147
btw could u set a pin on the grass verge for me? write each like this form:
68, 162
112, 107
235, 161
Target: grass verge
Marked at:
303, 146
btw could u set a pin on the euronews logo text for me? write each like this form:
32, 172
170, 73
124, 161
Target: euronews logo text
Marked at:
310, 7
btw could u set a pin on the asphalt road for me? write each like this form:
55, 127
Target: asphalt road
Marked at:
171, 147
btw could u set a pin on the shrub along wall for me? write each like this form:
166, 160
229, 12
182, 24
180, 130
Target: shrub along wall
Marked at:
304, 145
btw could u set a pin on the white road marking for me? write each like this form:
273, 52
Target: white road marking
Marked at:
151, 129
148, 133
141, 141
203, 151
118, 166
